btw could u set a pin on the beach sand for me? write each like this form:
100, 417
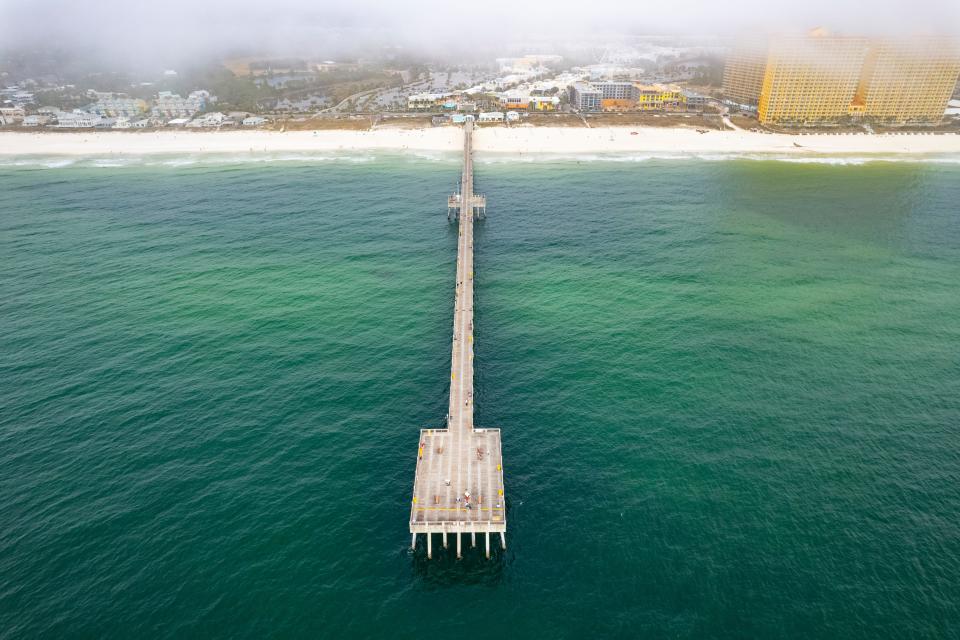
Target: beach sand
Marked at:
520, 140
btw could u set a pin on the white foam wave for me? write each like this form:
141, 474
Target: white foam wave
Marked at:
482, 158
835, 160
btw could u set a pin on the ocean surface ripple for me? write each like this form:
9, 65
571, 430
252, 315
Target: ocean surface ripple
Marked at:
729, 394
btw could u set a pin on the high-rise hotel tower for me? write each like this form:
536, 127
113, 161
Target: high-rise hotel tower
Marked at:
822, 78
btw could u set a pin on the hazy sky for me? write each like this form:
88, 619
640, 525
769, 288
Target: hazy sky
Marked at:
171, 27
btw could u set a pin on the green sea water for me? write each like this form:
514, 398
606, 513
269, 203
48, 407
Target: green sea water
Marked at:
729, 391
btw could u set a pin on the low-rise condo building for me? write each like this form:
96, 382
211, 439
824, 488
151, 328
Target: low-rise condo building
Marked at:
585, 97
171, 105
617, 96
491, 116
117, 105
11, 115
425, 101
660, 97
79, 119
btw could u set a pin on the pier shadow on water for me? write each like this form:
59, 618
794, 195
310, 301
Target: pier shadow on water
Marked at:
445, 570
473, 569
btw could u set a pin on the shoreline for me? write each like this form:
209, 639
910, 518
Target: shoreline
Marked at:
520, 141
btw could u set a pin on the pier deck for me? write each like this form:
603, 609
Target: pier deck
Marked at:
458, 487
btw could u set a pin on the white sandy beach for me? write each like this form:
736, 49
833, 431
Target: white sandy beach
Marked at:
521, 140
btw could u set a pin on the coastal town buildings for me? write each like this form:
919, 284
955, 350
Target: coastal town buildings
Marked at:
511, 99
820, 78
114, 110
422, 101
631, 96
15, 96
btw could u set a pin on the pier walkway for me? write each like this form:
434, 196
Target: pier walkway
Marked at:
458, 487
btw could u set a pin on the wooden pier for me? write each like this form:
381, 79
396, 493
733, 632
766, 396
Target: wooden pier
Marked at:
458, 486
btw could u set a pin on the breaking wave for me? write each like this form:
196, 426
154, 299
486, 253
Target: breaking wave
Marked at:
626, 157
447, 157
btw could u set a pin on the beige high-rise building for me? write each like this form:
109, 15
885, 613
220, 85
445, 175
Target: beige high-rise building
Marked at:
743, 73
821, 78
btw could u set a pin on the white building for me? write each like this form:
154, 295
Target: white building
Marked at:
254, 121
10, 115
214, 119
515, 99
78, 119
126, 123
953, 109
35, 121
491, 116
512, 116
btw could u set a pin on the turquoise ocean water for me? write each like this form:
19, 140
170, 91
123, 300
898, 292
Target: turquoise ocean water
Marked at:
729, 391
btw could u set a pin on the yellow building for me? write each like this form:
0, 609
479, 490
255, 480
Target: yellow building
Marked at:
908, 81
821, 78
544, 103
810, 79
658, 97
